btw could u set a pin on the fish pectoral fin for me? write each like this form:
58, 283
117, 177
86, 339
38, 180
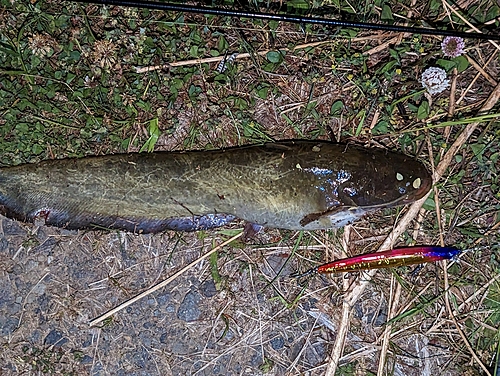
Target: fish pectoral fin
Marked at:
251, 230
344, 197
311, 217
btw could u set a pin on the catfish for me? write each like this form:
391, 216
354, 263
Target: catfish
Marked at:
294, 185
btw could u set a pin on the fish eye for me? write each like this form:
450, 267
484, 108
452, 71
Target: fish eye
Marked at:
417, 183
402, 190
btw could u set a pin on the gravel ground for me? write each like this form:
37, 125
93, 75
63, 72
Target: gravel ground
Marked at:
55, 281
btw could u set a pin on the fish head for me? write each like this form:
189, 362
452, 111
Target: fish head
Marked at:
398, 180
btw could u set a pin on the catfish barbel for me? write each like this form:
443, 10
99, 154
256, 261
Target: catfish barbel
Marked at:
295, 185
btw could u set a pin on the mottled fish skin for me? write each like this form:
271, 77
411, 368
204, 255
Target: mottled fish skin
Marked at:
296, 185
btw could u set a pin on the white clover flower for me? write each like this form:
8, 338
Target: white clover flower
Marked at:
104, 53
452, 46
434, 80
40, 44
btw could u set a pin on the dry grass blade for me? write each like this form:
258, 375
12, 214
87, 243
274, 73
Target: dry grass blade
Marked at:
343, 329
353, 295
480, 70
395, 296
158, 286
473, 81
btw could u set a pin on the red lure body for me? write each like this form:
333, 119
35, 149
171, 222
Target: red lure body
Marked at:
390, 259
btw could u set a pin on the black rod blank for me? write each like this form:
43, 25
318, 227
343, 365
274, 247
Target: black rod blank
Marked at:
288, 18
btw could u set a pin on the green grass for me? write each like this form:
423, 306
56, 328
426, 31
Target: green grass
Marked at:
51, 360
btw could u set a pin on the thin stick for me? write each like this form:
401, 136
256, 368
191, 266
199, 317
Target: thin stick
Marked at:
216, 59
338, 347
381, 47
480, 69
462, 97
158, 286
495, 226
456, 311
453, 99
386, 337
353, 295
26, 298
245, 55
436, 193
337, 351
447, 282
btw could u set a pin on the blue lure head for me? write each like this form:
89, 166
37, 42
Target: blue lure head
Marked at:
442, 253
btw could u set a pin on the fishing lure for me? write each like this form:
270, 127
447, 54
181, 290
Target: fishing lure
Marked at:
387, 259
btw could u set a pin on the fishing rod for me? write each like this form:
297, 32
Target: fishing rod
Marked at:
142, 4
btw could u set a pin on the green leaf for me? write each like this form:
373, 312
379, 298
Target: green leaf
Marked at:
492, 13
387, 67
394, 54
194, 91
435, 5
461, 63
362, 116
194, 51
382, 127
222, 44
336, 108
478, 150
70, 77
412, 107
214, 270
429, 204
386, 13
262, 92
273, 25
37, 149
8, 49
154, 134
470, 232
447, 65
298, 4
423, 110
229, 232
75, 55
274, 57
